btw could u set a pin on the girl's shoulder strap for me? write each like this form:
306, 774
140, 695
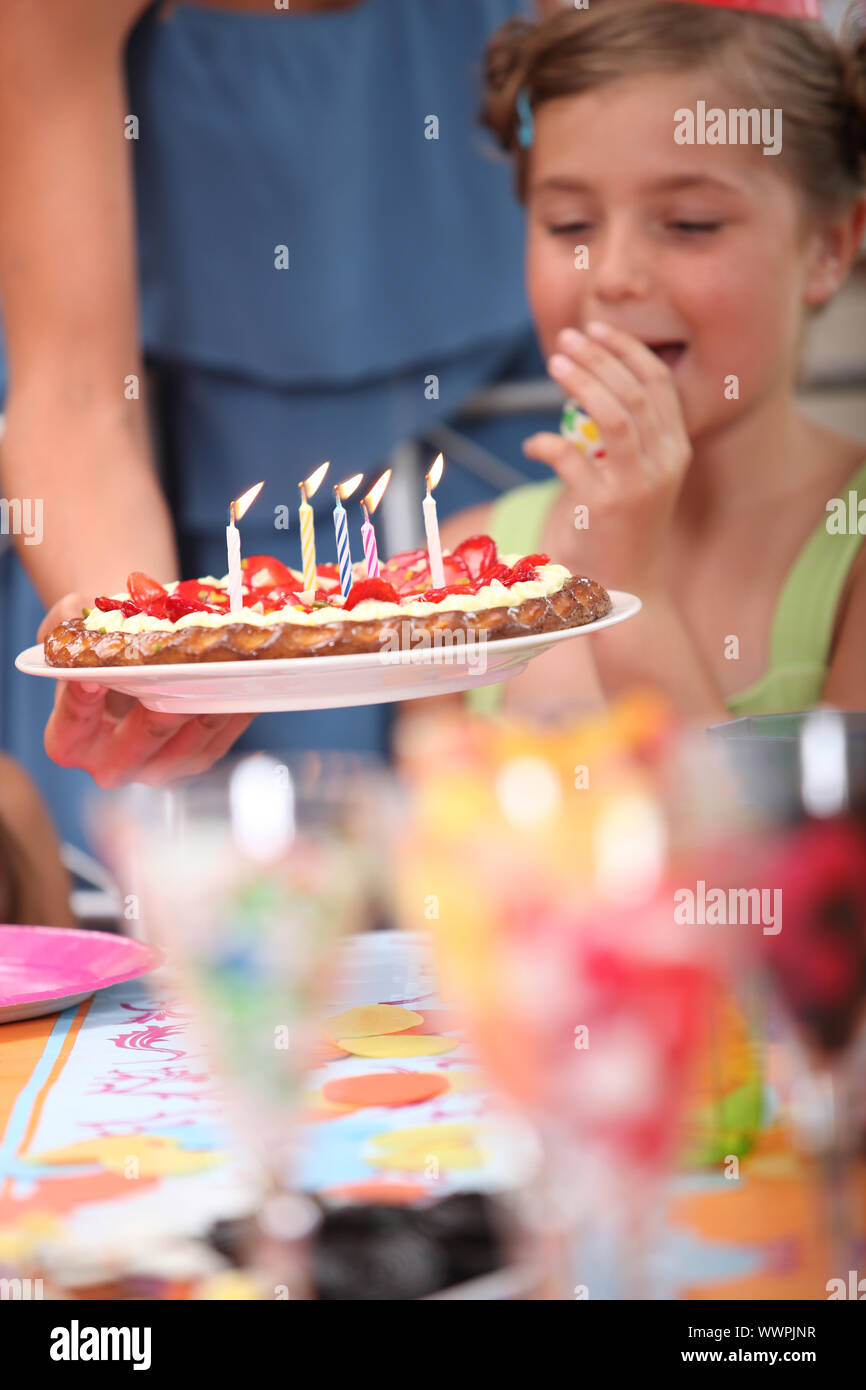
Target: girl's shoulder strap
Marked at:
805, 616
517, 518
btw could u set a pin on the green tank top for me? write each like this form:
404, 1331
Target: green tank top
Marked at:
802, 629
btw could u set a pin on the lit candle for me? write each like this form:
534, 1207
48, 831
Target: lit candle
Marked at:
308, 530
369, 505
431, 525
233, 545
341, 527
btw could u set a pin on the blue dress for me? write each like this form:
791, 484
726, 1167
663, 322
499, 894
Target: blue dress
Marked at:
309, 258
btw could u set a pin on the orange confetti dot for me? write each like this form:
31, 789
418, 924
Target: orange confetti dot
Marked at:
385, 1088
392, 1193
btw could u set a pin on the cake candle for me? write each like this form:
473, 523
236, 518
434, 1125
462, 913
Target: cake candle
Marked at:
431, 525
341, 528
237, 508
308, 531
368, 534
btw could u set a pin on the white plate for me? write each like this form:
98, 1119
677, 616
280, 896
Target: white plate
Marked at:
323, 682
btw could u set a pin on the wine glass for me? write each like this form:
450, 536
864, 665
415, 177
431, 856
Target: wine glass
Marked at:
809, 772
586, 995
248, 877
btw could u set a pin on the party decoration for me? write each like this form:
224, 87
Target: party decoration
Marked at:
581, 430
400, 1045
369, 1020
384, 1088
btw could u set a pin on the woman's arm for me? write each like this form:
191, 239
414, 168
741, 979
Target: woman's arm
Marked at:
74, 443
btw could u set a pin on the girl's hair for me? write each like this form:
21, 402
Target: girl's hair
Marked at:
796, 65
13, 877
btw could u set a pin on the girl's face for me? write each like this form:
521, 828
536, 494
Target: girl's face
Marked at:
698, 250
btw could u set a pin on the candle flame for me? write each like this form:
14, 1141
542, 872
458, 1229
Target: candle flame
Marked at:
242, 504
344, 490
435, 472
311, 484
374, 496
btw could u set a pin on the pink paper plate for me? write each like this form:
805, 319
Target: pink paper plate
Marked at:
46, 969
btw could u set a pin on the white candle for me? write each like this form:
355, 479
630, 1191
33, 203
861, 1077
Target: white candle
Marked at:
237, 509
233, 546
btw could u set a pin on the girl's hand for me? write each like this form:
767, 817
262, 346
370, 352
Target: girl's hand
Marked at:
630, 493
117, 740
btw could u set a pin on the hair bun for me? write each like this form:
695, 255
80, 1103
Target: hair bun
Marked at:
853, 48
505, 68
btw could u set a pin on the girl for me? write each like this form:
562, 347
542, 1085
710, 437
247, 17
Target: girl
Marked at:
34, 886
678, 328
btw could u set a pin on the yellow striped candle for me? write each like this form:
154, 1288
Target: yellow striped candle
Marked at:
308, 529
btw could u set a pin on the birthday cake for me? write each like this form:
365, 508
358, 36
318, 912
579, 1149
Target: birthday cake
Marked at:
485, 597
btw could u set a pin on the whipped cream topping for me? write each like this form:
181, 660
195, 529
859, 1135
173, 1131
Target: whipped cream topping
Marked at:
493, 595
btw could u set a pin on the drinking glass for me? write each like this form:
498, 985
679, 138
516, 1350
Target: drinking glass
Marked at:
248, 877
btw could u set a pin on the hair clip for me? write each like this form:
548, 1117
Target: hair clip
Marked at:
525, 129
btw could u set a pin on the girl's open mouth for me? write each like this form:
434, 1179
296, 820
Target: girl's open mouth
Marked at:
669, 352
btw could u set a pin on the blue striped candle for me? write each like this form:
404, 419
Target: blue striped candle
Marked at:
344, 554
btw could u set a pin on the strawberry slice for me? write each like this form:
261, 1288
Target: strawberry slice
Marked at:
118, 605
327, 572
144, 590
455, 570
370, 588
264, 572
478, 554
177, 607
520, 573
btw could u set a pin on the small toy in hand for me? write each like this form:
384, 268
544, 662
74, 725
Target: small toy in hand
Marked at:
582, 431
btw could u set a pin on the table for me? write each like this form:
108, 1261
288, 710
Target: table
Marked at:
112, 1134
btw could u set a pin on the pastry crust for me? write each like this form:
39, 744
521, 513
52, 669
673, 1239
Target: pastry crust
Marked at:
578, 602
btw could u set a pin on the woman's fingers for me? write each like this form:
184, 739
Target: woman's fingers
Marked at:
75, 726
131, 743
195, 748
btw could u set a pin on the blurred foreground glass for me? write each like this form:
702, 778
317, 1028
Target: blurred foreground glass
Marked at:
248, 878
556, 860
808, 773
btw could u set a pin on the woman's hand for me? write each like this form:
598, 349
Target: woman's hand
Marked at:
630, 493
117, 740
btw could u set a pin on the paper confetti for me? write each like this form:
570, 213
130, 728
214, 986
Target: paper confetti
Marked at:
416, 1150
384, 1088
368, 1021
398, 1194
147, 1155
438, 1021
400, 1045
